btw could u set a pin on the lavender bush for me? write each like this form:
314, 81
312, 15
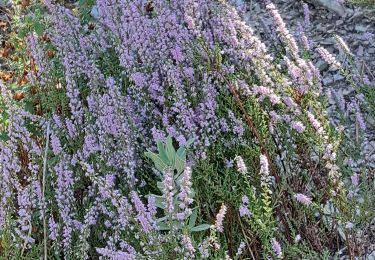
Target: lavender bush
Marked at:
261, 170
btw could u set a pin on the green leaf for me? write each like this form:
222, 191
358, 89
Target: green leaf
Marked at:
38, 28
193, 218
159, 164
177, 225
179, 164
163, 226
29, 107
171, 152
162, 152
189, 142
159, 203
160, 185
4, 137
159, 220
23, 32
201, 227
181, 152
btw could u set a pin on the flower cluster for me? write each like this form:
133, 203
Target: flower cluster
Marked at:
144, 70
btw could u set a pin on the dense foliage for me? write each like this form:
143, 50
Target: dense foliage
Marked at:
168, 130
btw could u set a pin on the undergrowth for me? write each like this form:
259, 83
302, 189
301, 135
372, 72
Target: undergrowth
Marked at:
167, 130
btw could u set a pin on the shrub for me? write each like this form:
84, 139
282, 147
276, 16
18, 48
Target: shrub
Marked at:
74, 175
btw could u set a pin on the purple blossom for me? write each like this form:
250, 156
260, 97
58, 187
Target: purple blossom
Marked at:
297, 238
244, 211
303, 199
229, 163
355, 180
188, 246
168, 186
306, 13
298, 126
349, 225
366, 80
276, 248
185, 195
220, 218
286, 37
53, 229
327, 57
55, 144
241, 166
245, 200
240, 248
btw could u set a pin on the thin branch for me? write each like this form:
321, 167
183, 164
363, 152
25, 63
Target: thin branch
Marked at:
44, 190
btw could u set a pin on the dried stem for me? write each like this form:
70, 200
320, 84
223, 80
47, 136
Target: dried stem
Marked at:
43, 192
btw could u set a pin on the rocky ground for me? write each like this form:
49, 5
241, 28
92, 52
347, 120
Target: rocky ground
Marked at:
356, 25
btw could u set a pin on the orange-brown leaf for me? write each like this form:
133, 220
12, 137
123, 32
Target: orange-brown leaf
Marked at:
6, 75
3, 24
19, 95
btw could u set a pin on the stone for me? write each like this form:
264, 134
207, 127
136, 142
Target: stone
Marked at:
360, 51
328, 80
360, 28
338, 77
321, 65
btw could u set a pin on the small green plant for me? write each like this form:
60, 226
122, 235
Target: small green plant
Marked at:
172, 164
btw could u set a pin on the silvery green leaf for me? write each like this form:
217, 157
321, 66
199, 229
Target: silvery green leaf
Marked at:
189, 142
179, 164
159, 220
160, 185
163, 226
159, 164
171, 152
162, 152
201, 227
159, 202
177, 225
193, 218
181, 152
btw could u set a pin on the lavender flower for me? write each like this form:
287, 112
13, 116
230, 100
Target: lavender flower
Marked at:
342, 45
366, 80
185, 193
188, 246
355, 180
244, 211
143, 217
287, 38
167, 191
53, 229
349, 225
306, 13
315, 123
220, 218
241, 166
327, 57
276, 248
245, 200
303, 199
298, 126
264, 166
240, 248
